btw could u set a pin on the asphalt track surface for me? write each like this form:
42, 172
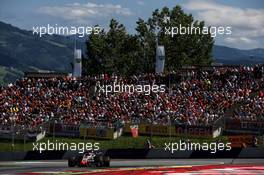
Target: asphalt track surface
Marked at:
60, 166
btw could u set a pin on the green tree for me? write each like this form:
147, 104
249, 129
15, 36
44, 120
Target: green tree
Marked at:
96, 54
181, 49
116, 51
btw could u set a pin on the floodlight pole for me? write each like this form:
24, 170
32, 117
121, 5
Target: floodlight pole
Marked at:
24, 138
157, 36
54, 122
13, 132
169, 117
13, 136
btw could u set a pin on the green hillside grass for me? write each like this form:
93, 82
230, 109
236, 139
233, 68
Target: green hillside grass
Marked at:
9, 75
2, 75
122, 142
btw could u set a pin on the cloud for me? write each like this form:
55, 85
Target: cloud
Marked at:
240, 42
141, 3
83, 12
247, 24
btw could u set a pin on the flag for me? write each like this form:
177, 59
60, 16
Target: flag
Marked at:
134, 131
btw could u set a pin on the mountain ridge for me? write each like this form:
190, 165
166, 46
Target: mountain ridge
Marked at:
21, 50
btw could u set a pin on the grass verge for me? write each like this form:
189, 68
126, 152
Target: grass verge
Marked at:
122, 142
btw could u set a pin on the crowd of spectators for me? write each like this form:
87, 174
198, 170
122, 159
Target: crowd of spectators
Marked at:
252, 109
191, 97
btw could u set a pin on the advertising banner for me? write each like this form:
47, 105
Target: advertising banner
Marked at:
104, 133
239, 141
59, 129
134, 131
244, 127
179, 130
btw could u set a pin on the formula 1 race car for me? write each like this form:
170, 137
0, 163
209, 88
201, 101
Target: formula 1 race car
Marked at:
89, 159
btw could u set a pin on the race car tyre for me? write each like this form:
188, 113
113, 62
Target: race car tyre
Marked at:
107, 161
99, 161
99, 164
71, 162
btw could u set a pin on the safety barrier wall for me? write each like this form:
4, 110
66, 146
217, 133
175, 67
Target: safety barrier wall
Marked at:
235, 126
137, 154
178, 130
101, 133
58, 129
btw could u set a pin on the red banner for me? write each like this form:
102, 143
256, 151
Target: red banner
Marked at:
134, 131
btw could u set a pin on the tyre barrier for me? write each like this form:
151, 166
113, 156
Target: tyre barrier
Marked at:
137, 154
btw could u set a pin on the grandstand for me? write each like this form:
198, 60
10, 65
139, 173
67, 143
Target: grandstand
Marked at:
197, 99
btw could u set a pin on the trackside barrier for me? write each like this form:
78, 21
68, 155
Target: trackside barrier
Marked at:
137, 154
84, 130
235, 126
251, 153
161, 154
21, 133
178, 130
64, 130
12, 156
102, 133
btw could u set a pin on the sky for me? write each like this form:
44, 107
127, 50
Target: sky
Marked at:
246, 17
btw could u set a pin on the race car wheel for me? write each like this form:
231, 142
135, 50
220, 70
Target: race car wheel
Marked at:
99, 161
107, 161
71, 162
99, 164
